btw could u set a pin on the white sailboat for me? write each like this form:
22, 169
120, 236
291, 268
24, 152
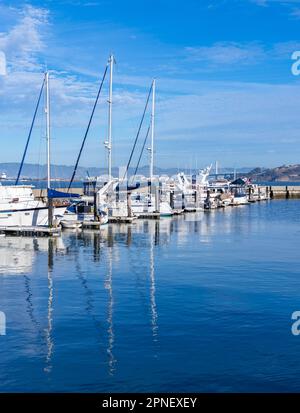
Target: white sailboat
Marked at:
18, 207
145, 202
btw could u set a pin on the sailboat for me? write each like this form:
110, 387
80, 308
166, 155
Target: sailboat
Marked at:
94, 197
18, 206
145, 201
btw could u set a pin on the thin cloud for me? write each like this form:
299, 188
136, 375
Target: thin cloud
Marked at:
267, 2
25, 39
226, 53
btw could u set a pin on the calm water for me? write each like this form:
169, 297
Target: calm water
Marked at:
195, 303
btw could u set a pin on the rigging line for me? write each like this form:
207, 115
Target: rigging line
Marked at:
88, 128
39, 157
30, 132
138, 132
145, 140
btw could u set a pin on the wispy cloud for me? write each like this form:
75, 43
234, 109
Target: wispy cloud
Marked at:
224, 55
209, 115
2, 64
290, 5
266, 2
295, 13
25, 39
227, 53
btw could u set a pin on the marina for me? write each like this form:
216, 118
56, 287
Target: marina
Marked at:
39, 231
153, 305
149, 204
108, 199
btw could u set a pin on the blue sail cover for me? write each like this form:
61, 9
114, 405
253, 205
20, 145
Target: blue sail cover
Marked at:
52, 193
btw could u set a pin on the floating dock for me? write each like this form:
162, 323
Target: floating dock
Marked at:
90, 224
178, 211
36, 231
121, 220
149, 215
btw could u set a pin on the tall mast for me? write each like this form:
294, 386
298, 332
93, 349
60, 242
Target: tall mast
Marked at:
109, 143
47, 112
152, 130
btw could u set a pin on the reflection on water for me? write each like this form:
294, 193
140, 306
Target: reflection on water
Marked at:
49, 340
135, 307
152, 288
110, 330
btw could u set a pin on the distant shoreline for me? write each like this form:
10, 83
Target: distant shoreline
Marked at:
63, 183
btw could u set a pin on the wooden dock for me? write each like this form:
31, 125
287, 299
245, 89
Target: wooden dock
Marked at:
121, 220
178, 211
149, 215
90, 224
33, 231
190, 209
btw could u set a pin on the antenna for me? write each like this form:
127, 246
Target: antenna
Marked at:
108, 143
47, 112
151, 149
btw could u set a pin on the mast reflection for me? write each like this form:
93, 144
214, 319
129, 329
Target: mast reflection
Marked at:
153, 239
49, 339
110, 330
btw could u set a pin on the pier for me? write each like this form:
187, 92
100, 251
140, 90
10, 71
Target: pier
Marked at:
37, 231
284, 192
149, 215
264, 192
121, 220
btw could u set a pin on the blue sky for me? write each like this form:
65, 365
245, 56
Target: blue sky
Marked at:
225, 90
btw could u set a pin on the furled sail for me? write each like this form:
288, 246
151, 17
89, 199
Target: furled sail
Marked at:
52, 193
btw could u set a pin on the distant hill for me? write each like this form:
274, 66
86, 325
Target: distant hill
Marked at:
284, 173
35, 171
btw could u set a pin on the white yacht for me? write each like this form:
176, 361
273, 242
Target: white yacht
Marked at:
145, 203
18, 207
3, 176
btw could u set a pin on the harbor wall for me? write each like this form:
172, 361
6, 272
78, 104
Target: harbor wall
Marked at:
284, 192
276, 192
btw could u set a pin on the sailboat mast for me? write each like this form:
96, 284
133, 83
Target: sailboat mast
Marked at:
152, 130
109, 145
47, 112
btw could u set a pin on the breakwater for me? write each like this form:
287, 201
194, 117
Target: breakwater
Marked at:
275, 192
284, 192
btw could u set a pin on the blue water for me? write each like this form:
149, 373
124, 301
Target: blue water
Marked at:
195, 303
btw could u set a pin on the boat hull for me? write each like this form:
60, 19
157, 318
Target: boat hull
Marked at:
31, 216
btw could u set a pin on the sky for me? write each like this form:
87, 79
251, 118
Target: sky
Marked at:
225, 88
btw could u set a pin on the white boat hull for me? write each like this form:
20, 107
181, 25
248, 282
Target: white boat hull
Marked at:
68, 224
31, 216
82, 217
242, 200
